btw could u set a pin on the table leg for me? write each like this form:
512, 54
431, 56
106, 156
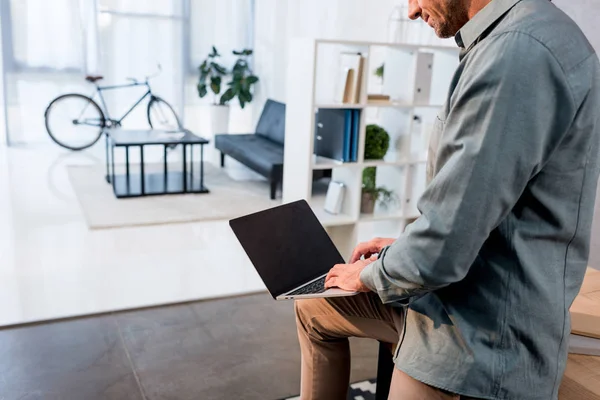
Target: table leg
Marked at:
142, 175
191, 167
166, 171
107, 161
184, 167
201, 167
127, 166
112, 165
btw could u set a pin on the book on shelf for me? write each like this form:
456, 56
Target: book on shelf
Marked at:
379, 99
337, 134
350, 78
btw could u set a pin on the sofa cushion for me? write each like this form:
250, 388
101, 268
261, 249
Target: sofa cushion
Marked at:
271, 124
260, 154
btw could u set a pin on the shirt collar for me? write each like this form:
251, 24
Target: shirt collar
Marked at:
483, 20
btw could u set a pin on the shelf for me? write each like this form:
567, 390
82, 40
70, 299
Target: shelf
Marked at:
327, 219
407, 46
341, 106
402, 106
380, 217
320, 163
383, 163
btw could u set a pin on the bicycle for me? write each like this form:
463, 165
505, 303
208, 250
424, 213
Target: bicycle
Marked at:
76, 121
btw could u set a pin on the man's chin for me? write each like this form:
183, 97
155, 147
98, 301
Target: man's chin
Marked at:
443, 32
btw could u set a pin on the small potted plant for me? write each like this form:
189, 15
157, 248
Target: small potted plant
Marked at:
211, 80
212, 75
377, 144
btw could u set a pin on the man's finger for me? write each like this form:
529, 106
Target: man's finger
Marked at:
330, 283
331, 274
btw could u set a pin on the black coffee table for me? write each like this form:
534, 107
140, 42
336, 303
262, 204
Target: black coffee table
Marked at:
153, 183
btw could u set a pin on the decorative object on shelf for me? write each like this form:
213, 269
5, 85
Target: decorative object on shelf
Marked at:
335, 197
371, 194
350, 79
380, 71
377, 143
379, 99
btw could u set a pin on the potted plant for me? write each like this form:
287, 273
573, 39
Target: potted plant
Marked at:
242, 80
211, 80
379, 71
377, 144
212, 75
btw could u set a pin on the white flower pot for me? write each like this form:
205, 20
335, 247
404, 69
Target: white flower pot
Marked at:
219, 119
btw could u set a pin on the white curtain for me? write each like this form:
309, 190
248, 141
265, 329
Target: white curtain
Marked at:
47, 34
226, 24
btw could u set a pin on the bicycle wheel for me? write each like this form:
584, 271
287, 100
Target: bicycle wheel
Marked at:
74, 121
162, 116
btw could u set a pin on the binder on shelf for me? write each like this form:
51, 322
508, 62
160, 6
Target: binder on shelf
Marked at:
355, 134
348, 136
336, 134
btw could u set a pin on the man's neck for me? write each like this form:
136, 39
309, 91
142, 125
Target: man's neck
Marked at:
474, 6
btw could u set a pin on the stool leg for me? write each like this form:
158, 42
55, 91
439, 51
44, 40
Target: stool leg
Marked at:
222, 159
385, 369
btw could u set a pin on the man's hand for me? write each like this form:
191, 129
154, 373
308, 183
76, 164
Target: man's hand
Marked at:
369, 248
347, 276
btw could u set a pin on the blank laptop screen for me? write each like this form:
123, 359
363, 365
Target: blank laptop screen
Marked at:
287, 245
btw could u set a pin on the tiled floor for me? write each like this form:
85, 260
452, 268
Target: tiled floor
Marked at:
242, 348
237, 348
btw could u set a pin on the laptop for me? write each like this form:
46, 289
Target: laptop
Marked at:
290, 250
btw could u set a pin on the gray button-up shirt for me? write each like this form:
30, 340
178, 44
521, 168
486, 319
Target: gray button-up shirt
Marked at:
491, 267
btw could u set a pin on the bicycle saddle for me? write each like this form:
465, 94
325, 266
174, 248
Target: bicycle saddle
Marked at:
93, 78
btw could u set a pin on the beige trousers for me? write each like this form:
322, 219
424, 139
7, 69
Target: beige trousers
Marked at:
324, 326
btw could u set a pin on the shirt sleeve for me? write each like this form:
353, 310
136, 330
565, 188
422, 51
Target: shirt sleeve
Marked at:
508, 112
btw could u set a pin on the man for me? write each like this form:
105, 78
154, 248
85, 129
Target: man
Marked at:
476, 292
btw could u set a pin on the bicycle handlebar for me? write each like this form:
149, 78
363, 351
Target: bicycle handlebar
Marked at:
155, 74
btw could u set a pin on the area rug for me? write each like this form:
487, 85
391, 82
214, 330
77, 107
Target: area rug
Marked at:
358, 391
227, 199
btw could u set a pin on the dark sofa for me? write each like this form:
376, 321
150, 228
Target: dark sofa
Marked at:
261, 151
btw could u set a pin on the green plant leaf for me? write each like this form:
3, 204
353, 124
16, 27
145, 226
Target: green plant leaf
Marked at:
238, 53
252, 79
214, 53
215, 84
227, 96
248, 52
369, 179
202, 90
218, 68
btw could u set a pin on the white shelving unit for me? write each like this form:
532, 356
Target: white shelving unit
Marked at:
313, 72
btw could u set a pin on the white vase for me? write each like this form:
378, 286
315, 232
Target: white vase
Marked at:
219, 119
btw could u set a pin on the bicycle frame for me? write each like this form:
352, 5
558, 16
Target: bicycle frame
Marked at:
100, 89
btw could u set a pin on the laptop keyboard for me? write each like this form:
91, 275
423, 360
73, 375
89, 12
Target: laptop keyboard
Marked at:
316, 287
